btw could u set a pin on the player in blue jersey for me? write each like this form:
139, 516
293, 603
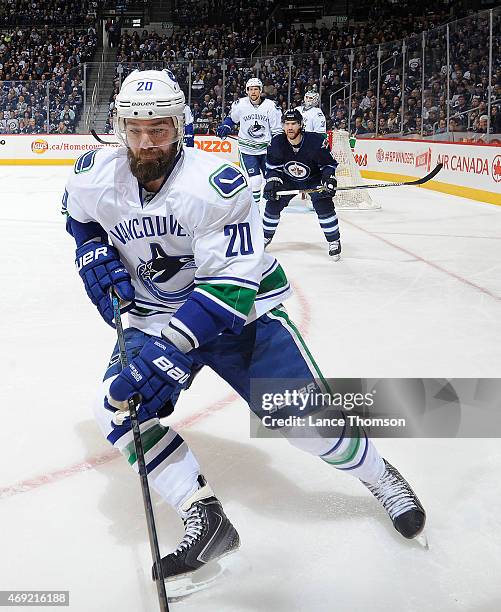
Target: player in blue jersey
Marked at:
301, 160
175, 232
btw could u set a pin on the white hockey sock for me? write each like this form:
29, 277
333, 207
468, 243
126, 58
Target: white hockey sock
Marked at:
172, 467
356, 455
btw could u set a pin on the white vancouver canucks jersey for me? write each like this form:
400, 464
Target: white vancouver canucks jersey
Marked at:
258, 124
200, 232
188, 115
314, 119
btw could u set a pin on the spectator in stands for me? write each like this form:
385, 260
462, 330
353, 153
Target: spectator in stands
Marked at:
237, 29
67, 114
62, 128
383, 126
496, 119
43, 57
480, 127
359, 129
393, 122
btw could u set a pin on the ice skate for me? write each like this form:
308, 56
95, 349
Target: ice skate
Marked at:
399, 501
335, 250
209, 535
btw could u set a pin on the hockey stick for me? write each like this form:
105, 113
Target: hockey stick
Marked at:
420, 181
114, 142
141, 464
101, 141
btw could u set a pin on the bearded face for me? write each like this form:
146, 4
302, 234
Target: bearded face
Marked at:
151, 148
149, 165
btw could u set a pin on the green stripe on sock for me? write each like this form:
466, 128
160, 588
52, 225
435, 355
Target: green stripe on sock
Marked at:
349, 454
238, 298
150, 437
283, 315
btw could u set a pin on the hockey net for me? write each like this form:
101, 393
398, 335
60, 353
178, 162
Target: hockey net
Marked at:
348, 174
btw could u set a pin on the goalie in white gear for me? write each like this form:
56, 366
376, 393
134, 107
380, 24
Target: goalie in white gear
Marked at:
259, 121
175, 233
313, 117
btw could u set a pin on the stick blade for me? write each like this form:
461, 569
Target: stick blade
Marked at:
429, 176
100, 140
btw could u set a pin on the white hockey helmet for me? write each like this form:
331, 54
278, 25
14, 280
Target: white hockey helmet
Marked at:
254, 82
311, 98
146, 95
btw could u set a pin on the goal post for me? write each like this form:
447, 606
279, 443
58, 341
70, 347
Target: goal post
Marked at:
348, 174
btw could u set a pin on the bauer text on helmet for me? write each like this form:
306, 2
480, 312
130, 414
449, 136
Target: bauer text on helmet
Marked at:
150, 95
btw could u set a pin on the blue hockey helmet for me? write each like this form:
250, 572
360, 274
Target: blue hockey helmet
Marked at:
292, 114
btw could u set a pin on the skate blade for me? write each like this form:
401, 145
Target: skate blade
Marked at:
422, 540
180, 587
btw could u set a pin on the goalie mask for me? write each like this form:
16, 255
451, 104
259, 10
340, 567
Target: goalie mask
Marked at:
152, 95
311, 99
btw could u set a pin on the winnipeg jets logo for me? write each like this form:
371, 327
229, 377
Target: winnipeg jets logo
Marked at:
297, 170
171, 270
256, 130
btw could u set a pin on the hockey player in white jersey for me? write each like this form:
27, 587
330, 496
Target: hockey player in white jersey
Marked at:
313, 117
259, 120
174, 232
189, 130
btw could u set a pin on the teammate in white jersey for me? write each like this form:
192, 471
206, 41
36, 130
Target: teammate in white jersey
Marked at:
313, 117
175, 233
259, 121
189, 131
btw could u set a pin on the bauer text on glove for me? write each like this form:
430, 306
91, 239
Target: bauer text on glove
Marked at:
155, 374
100, 268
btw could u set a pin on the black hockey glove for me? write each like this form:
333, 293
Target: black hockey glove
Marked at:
271, 188
329, 182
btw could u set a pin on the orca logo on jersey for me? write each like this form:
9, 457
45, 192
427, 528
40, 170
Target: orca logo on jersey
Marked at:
175, 270
297, 170
256, 130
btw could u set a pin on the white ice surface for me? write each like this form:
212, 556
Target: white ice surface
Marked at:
417, 293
